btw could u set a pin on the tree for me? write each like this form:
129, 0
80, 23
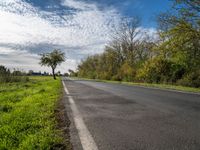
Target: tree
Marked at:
72, 73
52, 59
30, 72
128, 36
127, 51
132, 55
181, 33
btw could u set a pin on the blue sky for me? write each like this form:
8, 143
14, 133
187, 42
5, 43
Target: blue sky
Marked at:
146, 9
78, 27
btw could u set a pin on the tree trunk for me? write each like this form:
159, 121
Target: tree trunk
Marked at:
53, 71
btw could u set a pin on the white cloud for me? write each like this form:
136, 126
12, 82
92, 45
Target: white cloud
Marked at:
26, 30
79, 5
22, 60
84, 31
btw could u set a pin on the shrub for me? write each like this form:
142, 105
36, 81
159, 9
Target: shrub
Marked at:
116, 78
104, 75
155, 71
7, 76
4, 74
177, 71
191, 79
126, 72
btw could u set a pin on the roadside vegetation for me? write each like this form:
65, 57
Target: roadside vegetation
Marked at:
153, 85
27, 117
134, 56
16, 76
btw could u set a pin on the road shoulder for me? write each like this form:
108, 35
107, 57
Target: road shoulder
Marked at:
63, 122
166, 87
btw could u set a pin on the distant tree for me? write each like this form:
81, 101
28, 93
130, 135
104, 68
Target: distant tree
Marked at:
66, 74
4, 71
52, 60
72, 73
15, 76
18, 73
30, 72
59, 73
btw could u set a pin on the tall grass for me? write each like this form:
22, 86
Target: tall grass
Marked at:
27, 119
12, 78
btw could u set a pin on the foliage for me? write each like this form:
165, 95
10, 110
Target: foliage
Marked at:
126, 72
132, 56
154, 85
15, 76
121, 57
181, 41
52, 60
160, 70
192, 79
27, 114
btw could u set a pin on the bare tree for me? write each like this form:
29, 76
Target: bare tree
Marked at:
127, 38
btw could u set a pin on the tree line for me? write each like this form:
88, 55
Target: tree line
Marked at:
16, 76
173, 58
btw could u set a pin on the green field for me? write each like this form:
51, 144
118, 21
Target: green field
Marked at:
27, 114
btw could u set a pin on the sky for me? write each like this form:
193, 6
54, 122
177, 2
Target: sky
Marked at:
77, 27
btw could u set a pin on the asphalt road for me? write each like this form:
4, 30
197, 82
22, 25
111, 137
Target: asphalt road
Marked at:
122, 117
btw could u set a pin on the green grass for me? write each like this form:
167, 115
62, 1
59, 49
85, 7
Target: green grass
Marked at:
27, 119
161, 86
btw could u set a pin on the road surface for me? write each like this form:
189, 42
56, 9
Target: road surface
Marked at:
122, 117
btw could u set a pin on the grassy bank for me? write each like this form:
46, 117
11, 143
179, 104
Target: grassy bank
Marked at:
27, 118
161, 86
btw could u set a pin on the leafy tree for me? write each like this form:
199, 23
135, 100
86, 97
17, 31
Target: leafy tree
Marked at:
132, 56
52, 59
158, 70
128, 50
180, 39
126, 72
71, 73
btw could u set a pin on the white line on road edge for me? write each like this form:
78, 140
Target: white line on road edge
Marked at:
86, 139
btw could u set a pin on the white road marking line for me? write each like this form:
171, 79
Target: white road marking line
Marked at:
86, 139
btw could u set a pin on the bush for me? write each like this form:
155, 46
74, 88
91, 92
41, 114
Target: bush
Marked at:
126, 72
155, 71
177, 71
116, 78
4, 74
191, 79
7, 76
104, 75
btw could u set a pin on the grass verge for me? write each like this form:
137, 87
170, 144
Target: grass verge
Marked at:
161, 86
27, 115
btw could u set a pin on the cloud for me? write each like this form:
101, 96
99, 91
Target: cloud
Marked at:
25, 28
79, 29
21, 60
80, 5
